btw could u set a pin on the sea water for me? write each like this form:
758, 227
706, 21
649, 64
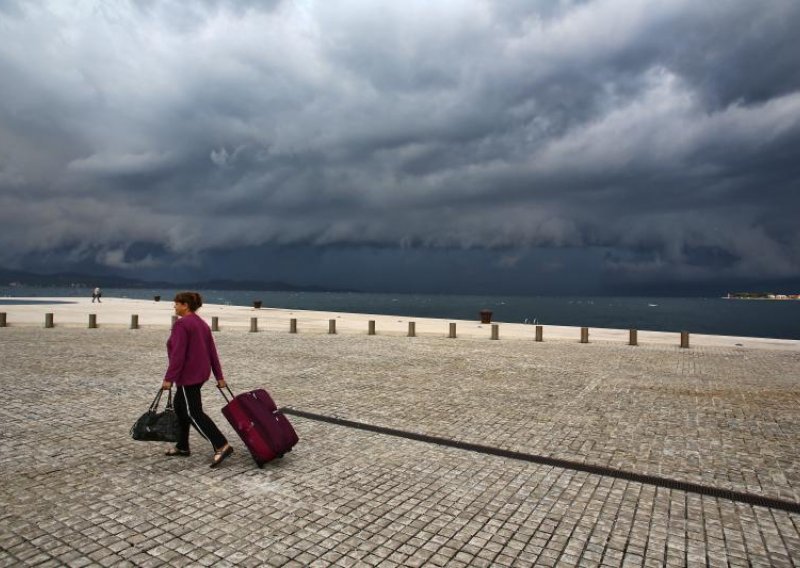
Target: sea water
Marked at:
719, 316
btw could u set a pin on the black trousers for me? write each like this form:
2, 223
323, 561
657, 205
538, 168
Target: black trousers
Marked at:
189, 408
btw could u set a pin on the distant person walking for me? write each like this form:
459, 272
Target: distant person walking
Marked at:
96, 293
192, 357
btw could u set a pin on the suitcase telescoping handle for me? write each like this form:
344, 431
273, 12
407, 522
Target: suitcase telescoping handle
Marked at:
222, 392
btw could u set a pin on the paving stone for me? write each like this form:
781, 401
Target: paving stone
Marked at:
716, 416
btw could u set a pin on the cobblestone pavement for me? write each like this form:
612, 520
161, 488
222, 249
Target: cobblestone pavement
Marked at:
75, 490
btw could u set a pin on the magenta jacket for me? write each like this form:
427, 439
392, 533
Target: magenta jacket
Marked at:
192, 353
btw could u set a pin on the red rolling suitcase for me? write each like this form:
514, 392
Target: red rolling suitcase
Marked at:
264, 429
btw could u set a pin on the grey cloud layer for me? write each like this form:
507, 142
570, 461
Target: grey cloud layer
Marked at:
667, 131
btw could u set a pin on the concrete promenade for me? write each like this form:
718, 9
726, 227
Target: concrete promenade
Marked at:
117, 312
75, 490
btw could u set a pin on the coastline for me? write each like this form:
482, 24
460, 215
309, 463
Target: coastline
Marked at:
712, 316
74, 312
767, 299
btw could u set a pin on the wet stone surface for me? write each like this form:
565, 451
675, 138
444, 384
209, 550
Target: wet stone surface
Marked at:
76, 491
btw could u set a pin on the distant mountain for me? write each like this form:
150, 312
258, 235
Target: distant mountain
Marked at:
66, 280
80, 280
272, 285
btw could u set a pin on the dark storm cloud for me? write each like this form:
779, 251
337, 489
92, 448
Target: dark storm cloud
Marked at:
667, 133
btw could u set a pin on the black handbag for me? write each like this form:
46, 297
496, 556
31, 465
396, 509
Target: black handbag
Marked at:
154, 426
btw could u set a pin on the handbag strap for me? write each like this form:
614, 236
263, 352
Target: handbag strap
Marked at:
157, 400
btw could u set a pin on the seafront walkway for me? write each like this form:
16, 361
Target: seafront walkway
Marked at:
116, 313
567, 454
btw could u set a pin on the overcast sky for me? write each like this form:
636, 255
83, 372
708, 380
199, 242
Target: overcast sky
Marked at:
507, 146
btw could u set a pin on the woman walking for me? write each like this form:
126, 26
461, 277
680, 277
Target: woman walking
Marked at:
192, 358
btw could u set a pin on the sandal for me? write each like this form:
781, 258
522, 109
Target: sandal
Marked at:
176, 452
220, 455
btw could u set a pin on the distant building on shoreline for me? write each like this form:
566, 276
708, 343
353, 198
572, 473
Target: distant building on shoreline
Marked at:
760, 296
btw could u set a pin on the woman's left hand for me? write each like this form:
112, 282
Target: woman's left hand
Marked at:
166, 385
